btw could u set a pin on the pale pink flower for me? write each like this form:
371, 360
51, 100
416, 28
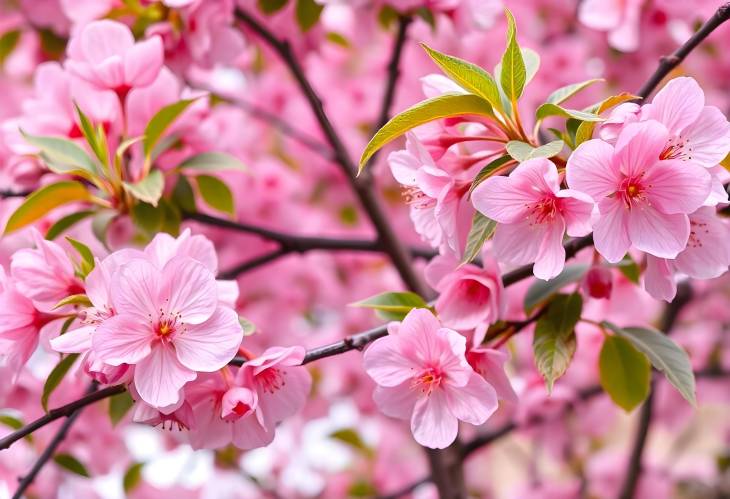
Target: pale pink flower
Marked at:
643, 199
422, 375
105, 54
468, 295
621, 18
533, 213
45, 274
706, 256
698, 133
169, 324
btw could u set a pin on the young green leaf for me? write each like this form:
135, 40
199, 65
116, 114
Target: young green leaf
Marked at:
87, 257
443, 106
149, 189
482, 229
183, 195
625, 372
393, 305
564, 93
532, 63
90, 134
211, 162
70, 463
514, 73
549, 109
248, 327
54, 379
488, 170
307, 13
119, 406
133, 475
79, 299
216, 193
522, 151
148, 218
44, 200
63, 156
541, 291
65, 223
351, 437
8, 41
468, 75
271, 6
554, 341
665, 355
161, 121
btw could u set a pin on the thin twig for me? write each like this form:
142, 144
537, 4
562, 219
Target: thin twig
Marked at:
386, 235
59, 412
668, 63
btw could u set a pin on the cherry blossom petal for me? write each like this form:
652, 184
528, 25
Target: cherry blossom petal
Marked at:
279, 403
657, 233
159, 377
503, 200
474, 402
638, 147
708, 138
211, 345
551, 258
659, 279
143, 61
136, 290
189, 290
610, 231
576, 208
678, 104
677, 187
518, 243
397, 401
74, 341
591, 169
432, 424
122, 339
708, 250
386, 364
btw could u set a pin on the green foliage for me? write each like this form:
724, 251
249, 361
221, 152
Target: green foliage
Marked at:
54, 379
119, 406
393, 305
132, 477
554, 341
488, 170
70, 463
522, 151
513, 74
87, 263
149, 189
541, 291
443, 106
65, 223
44, 200
212, 162
307, 14
564, 93
160, 122
215, 193
625, 373
549, 109
482, 229
271, 6
63, 156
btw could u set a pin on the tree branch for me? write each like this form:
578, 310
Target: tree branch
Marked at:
387, 237
668, 63
60, 412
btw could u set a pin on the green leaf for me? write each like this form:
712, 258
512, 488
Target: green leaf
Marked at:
387, 15
147, 217
564, 93
70, 463
100, 224
393, 305
427, 15
488, 170
171, 217
443, 106
307, 13
54, 379
119, 406
482, 229
44, 200
513, 74
625, 373
11, 422
630, 269
271, 6
211, 162
65, 223
216, 193
522, 151
248, 327
183, 195
549, 109
351, 437
90, 134
133, 475
160, 122
8, 41
554, 341
665, 355
79, 299
468, 75
67, 324
540, 290
149, 189
63, 156
532, 63
87, 257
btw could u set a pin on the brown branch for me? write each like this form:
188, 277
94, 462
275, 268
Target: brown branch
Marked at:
59, 412
668, 63
386, 235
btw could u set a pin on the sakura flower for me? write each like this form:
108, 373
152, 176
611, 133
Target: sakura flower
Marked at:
169, 324
44, 274
533, 214
468, 295
643, 199
706, 256
422, 375
105, 54
620, 18
698, 133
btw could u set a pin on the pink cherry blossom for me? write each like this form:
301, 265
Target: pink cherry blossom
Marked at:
621, 18
422, 375
706, 256
468, 295
168, 324
105, 54
533, 213
643, 200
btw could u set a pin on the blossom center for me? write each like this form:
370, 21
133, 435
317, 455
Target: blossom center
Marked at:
428, 380
543, 211
414, 197
677, 147
271, 380
632, 191
167, 326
